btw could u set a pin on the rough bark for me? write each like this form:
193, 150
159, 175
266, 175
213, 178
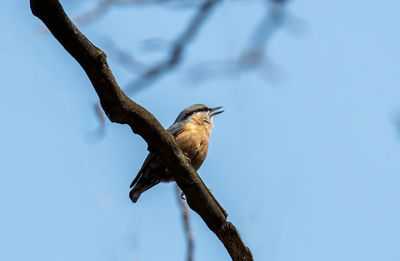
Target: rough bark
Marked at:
121, 109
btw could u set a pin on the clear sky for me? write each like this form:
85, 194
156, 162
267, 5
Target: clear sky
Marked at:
307, 165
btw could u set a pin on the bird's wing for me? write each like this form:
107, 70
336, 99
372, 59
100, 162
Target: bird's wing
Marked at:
152, 170
146, 162
176, 128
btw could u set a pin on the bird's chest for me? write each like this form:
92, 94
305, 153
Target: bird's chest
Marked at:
193, 140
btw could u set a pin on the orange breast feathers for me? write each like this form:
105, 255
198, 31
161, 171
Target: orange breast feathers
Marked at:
193, 141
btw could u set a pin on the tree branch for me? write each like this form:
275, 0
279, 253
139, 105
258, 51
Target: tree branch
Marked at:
254, 56
177, 50
104, 6
119, 108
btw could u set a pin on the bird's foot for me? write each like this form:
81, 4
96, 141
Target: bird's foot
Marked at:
183, 196
187, 156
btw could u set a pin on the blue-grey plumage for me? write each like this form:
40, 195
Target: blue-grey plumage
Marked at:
191, 129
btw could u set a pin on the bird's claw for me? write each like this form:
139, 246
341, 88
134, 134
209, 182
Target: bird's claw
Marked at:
187, 156
183, 196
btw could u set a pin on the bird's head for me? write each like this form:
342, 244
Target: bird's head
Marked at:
199, 113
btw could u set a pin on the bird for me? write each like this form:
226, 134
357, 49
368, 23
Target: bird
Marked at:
191, 130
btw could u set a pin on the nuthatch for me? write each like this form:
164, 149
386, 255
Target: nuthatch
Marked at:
192, 131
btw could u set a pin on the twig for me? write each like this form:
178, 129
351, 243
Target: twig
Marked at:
253, 57
102, 119
105, 5
186, 224
177, 49
120, 109
101, 8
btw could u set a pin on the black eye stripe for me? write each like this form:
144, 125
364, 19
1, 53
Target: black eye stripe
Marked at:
188, 114
202, 109
195, 111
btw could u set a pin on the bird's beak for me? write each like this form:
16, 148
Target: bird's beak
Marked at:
214, 111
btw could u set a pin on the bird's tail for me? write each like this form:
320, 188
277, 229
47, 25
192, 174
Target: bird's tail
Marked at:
142, 184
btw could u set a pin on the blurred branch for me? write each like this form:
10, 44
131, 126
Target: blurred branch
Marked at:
99, 10
126, 59
120, 109
102, 119
186, 224
105, 5
179, 46
253, 57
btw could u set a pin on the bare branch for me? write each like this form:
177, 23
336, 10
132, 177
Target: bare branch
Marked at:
119, 108
101, 8
186, 224
177, 49
253, 57
105, 5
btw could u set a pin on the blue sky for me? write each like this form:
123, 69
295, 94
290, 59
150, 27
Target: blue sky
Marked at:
307, 166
